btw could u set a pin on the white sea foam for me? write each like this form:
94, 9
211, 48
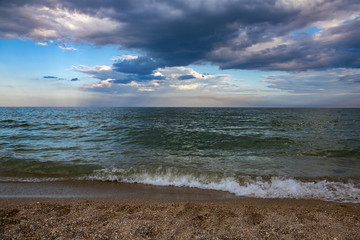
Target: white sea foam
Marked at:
274, 187
29, 180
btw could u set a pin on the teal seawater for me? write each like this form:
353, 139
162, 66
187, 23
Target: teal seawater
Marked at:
198, 147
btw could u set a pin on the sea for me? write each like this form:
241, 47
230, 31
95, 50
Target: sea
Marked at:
248, 152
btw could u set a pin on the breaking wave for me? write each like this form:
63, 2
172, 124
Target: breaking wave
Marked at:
260, 187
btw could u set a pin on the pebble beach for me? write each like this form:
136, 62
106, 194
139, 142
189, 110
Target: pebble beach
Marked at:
129, 218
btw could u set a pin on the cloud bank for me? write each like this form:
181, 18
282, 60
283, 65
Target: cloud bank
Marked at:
285, 35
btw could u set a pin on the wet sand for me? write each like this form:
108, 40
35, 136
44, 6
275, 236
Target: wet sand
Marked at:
172, 213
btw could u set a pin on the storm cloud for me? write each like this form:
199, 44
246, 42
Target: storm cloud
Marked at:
137, 65
232, 34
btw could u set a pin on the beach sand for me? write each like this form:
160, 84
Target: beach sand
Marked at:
166, 216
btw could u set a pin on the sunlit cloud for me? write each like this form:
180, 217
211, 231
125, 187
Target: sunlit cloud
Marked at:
68, 48
186, 86
124, 57
42, 43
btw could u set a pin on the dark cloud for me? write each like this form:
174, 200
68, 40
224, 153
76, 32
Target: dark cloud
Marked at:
352, 78
15, 22
140, 66
136, 69
75, 79
346, 36
183, 32
115, 75
186, 77
53, 77
336, 47
137, 78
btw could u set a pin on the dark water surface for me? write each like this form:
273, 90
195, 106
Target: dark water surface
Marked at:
301, 153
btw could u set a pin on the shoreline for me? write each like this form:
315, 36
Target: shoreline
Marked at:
136, 211
71, 188
89, 189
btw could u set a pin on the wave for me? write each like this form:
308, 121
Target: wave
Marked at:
259, 187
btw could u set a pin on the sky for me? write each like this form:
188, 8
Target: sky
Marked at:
180, 53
